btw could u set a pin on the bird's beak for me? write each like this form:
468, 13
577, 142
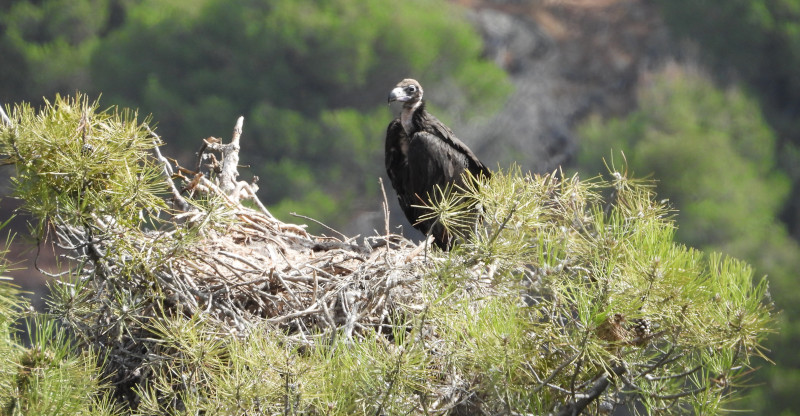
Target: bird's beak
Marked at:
398, 94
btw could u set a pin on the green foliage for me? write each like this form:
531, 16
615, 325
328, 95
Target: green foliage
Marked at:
517, 320
713, 152
263, 373
75, 162
563, 286
592, 259
310, 77
714, 155
757, 42
755, 36
51, 376
10, 307
51, 43
315, 71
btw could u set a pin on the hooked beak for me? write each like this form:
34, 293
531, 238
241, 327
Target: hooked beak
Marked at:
398, 94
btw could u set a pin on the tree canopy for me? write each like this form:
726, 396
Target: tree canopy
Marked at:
570, 296
714, 155
757, 43
197, 65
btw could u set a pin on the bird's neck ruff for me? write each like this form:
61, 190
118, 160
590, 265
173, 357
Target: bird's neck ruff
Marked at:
407, 117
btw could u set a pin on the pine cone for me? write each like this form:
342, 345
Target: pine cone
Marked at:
640, 329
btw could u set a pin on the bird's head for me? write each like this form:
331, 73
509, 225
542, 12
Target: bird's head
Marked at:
407, 91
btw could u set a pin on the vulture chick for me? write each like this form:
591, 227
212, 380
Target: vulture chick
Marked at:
422, 153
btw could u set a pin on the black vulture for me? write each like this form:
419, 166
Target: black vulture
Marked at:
421, 154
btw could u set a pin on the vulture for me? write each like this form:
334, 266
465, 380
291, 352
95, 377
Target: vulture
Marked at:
421, 154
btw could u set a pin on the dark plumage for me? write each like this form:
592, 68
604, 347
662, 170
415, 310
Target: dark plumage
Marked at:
422, 153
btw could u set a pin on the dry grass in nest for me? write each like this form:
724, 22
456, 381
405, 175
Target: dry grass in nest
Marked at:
261, 269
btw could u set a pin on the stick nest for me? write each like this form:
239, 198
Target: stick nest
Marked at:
241, 269
259, 268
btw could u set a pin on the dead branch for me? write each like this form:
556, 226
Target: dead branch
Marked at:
600, 385
4, 116
178, 201
229, 172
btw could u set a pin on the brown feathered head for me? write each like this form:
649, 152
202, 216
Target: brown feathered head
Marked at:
407, 91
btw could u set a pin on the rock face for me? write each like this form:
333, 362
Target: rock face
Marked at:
532, 129
566, 59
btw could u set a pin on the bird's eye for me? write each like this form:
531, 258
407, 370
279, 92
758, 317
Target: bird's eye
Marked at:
411, 88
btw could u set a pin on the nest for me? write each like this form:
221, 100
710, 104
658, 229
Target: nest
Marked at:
238, 274
258, 268
261, 269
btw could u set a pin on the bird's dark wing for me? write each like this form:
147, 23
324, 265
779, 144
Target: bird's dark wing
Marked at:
434, 162
433, 157
472, 163
396, 158
396, 152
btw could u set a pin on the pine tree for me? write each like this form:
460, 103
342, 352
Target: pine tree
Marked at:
569, 296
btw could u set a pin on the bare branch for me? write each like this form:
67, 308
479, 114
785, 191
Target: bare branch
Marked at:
4, 116
230, 159
599, 386
177, 199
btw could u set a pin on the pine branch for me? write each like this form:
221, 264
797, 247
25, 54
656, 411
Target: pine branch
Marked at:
586, 398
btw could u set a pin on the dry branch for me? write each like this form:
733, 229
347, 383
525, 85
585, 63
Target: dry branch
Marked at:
4, 116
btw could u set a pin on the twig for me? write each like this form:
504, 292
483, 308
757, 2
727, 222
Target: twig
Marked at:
251, 195
661, 361
313, 309
674, 376
556, 372
504, 223
176, 195
4, 116
575, 408
422, 246
681, 394
385, 209
294, 214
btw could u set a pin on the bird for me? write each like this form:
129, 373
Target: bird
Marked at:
422, 154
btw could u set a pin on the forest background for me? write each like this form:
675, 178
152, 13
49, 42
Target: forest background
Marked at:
704, 97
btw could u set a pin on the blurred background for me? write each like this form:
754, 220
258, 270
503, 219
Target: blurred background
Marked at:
703, 97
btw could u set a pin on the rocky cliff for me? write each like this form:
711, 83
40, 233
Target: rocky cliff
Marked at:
566, 59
